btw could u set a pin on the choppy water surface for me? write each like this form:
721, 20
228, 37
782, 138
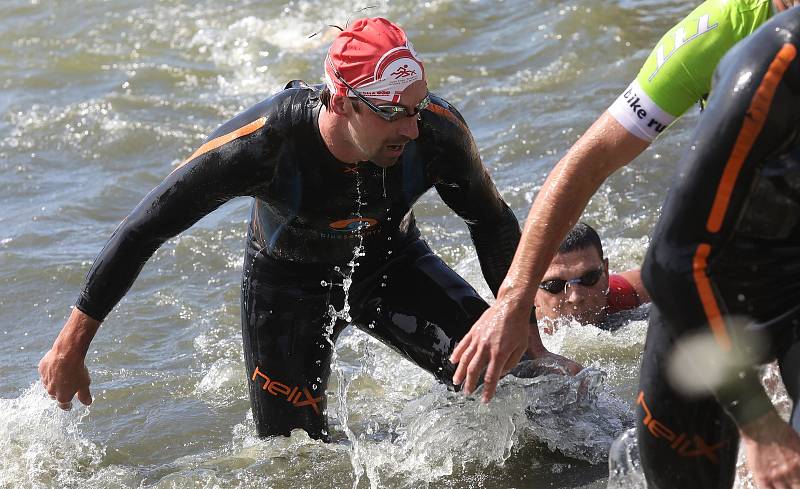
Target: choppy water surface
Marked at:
100, 100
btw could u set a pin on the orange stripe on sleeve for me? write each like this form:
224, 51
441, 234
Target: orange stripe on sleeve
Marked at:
221, 140
447, 115
753, 123
707, 297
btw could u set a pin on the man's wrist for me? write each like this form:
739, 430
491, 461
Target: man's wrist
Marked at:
76, 336
762, 428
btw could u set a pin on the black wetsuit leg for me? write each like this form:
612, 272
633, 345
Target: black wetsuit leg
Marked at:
414, 303
683, 441
418, 306
287, 347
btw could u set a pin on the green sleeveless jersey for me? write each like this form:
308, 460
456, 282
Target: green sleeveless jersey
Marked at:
678, 71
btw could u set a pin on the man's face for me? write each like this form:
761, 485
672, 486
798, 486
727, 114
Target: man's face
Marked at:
586, 303
381, 141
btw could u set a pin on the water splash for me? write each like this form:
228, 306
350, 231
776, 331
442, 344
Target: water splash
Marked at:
624, 464
343, 314
43, 445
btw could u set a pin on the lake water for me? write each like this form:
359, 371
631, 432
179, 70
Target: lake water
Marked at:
100, 100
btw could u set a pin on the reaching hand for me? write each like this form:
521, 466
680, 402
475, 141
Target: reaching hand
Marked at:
494, 343
773, 452
62, 368
63, 377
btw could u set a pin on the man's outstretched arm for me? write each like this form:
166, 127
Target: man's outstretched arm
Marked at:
492, 343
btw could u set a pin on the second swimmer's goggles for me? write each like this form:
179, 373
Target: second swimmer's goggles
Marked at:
389, 113
557, 285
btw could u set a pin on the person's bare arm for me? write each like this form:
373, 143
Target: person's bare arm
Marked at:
498, 338
634, 277
62, 369
773, 451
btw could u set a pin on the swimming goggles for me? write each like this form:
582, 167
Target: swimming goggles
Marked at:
557, 285
390, 113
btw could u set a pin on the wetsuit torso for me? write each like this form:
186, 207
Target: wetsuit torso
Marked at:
310, 207
724, 261
318, 226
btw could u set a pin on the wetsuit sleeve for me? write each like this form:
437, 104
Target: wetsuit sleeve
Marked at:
235, 161
621, 294
678, 71
466, 187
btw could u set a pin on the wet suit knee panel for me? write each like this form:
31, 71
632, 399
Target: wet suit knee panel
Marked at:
420, 307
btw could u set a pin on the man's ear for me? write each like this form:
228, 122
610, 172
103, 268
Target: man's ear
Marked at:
340, 105
605, 265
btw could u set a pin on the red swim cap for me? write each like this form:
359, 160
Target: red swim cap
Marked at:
375, 57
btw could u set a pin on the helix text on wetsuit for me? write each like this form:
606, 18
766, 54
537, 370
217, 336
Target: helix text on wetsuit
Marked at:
678, 442
292, 395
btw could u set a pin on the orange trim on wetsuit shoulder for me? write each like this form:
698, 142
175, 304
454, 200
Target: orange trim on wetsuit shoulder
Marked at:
221, 140
436, 109
753, 123
707, 297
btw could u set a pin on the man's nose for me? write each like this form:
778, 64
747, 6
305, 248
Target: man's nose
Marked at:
574, 293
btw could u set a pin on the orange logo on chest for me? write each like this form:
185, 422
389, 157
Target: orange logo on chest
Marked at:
350, 225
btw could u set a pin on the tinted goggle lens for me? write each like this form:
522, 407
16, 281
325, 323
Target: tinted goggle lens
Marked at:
395, 112
557, 286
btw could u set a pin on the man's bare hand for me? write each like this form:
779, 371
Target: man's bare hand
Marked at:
62, 369
63, 377
773, 452
495, 343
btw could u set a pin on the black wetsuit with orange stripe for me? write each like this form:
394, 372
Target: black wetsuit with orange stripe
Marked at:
321, 229
725, 260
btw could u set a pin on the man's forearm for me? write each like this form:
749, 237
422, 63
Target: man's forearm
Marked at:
76, 335
562, 199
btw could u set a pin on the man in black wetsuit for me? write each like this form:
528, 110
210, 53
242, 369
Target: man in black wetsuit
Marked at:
723, 271
334, 173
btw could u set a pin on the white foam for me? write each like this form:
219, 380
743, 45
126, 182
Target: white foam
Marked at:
43, 445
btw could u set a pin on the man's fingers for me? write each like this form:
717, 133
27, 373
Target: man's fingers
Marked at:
511, 362
475, 369
85, 396
491, 378
66, 406
462, 345
463, 364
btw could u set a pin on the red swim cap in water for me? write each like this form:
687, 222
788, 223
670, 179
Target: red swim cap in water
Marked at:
375, 57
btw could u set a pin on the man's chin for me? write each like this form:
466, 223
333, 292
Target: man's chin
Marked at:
591, 318
385, 162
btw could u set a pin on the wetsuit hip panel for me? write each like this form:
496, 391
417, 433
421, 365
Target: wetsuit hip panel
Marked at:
287, 339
